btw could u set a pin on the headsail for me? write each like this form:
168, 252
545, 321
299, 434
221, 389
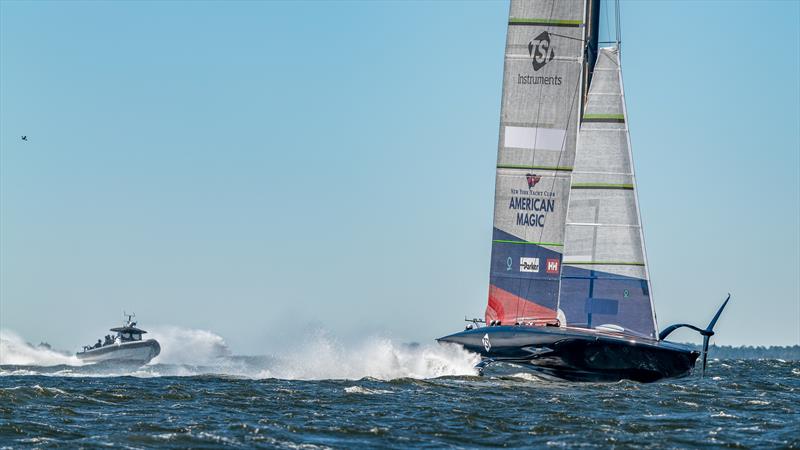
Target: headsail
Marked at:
605, 278
542, 86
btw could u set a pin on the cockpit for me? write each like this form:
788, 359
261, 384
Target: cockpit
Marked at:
128, 336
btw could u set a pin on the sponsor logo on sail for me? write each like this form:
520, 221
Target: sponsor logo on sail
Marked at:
552, 265
531, 205
533, 179
486, 344
528, 264
531, 209
540, 50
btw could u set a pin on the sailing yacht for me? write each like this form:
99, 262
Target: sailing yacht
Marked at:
570, 293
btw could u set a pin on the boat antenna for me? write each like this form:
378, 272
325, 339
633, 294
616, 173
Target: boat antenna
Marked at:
707, 333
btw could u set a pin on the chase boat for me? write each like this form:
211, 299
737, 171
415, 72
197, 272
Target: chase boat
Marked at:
125, 347
570, 293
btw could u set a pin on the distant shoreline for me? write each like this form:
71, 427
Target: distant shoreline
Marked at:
788, 352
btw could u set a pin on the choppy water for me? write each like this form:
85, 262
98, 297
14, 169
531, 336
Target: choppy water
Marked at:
742, 403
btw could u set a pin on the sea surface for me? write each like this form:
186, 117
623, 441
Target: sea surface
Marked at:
739, 404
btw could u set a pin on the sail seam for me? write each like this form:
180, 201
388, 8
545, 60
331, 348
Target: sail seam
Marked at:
541, 125
544, 22
588, 172
527, 57
521, 166
548, 244
589, 224
604, 129
603, 263
603, 116
601, 186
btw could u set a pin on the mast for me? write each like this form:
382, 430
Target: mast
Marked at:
591, 38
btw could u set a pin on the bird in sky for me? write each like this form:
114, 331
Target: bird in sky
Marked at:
24, 138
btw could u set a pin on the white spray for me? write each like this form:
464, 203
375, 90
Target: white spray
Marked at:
187, 352
15, 351
188, 346
322, 357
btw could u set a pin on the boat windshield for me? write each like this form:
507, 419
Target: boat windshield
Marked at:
130, 336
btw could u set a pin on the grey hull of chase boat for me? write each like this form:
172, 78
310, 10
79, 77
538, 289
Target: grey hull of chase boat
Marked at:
138, 352
577, 355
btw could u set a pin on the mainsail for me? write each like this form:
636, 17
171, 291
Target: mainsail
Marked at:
605, 278
541, 107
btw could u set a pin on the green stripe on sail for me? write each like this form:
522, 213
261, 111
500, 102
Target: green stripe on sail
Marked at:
534, 21
603, 116
522, 166
549, 244
601, 186
602, 263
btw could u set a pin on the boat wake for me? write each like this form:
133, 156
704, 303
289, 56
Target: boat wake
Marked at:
192, 352
188, 346
323, 357
14, 350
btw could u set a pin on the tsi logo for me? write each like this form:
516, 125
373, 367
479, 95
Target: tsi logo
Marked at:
528, 264
552, 265
540, 50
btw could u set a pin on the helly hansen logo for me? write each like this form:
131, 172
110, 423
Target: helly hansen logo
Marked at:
532, 179
541, 51
552, 265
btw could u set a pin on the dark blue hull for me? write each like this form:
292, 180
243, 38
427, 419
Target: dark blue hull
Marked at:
578, 355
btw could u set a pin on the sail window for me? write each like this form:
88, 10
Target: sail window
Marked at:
534, 138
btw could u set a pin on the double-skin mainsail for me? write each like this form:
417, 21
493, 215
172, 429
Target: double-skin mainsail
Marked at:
569, 290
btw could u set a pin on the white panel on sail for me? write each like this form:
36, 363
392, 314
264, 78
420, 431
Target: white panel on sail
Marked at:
534, 138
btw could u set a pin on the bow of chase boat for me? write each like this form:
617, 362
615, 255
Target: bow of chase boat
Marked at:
125, 347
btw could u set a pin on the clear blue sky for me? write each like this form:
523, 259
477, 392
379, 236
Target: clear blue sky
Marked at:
265, 169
